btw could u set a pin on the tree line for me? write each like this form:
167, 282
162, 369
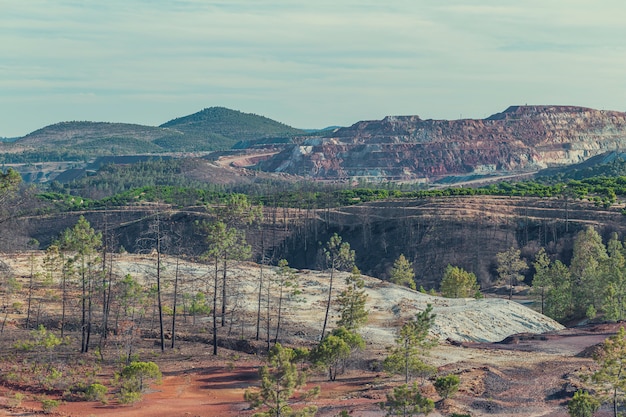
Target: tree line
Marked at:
594, 283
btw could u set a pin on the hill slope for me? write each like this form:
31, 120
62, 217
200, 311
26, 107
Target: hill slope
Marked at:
520, 139
231, 124
211, 129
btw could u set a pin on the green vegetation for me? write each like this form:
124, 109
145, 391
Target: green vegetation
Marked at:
176, 182
351, 302
593, 284
582, 405
412, 344
114, 179
96, 392
40, 340
133, 380
231, 125
339, 257
510, 268
227, 242
551, 285
82, 242
458, 283
333, 351
280, 379
407, 401
287, 283
610, 378
211, 129
401, 273
447, 386
49, 405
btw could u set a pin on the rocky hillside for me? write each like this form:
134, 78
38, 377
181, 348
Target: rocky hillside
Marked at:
520, 139
465, 231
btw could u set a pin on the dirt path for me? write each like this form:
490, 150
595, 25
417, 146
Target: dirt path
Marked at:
242, 161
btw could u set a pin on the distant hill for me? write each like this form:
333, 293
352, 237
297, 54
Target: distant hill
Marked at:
231, 124
95, 135
607, 164
211, 129
522, 139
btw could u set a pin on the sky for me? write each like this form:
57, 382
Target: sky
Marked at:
309, 64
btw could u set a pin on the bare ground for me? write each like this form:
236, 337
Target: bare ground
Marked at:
532, 373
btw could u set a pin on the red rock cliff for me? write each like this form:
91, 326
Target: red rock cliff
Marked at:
520, 139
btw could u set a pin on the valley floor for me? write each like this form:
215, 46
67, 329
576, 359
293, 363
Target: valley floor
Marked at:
527, 376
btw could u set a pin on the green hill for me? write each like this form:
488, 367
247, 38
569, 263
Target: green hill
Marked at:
231, 124
212, 129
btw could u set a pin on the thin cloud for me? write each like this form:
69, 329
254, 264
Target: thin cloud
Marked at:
304, 63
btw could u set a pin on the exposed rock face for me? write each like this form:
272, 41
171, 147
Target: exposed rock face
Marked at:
520, 139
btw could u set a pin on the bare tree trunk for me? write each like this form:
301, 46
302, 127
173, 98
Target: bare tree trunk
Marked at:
280, 307
268, 317
330, 293
30, 289
258, 311
63, 297
83, 322
105, 299
175, 303
6, 315
224, 295
107, 308
89, 310
215, 307
160, 304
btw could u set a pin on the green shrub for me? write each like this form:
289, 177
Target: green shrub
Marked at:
16, 401
447, 386
128, 397
96, 392
583, 404
48, 406
133, 379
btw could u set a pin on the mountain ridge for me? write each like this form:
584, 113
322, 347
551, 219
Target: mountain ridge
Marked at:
409, 148
214, 128
519, 140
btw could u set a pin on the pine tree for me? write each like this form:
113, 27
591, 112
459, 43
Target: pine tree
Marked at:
458, 283
407, 401
541, 280
333, 351
287, 283
412, 343
586, 268
351, 302
447, 386
225, 243
236, 212
402, 273
614, 303
559, 296
582, 405
339, 257
510, 266
280, 379
611, 377
84, 242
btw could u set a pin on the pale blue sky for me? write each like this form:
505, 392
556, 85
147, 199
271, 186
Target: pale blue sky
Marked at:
304, 63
